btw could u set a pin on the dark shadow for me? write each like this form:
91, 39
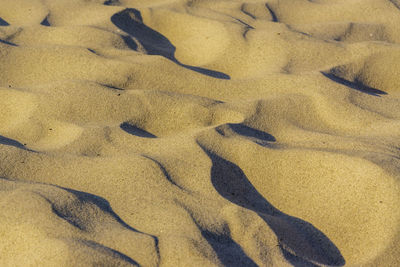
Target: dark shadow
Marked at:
247, 13
11, 142
273, 15
112, 3
45, 22
251, 132
247, 27
130, 42
7, 43
3, 22
301, 242
109, 251
297, 261
259, 137
92, 51
130, 21
211, 73
227, 250
112, 87
133, 130
355, 85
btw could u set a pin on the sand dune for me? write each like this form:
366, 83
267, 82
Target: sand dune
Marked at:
199, 133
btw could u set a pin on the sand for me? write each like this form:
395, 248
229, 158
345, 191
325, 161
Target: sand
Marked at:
199, 133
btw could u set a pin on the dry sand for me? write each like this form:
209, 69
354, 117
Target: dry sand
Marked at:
199, 133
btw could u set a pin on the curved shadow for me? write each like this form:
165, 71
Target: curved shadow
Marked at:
273, 15
104, 206
88, 198
109, 251
93, 200
301, 242
164, 171
356, 85
130, 21
101, 203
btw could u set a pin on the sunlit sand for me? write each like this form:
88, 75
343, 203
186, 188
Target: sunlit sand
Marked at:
199, 133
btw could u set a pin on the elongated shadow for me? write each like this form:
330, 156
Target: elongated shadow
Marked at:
3, 22
112, 3
251, 132
7, 43
133, 130
301, 242
164, 171
109, 251
228, 251
11, 142
355, 85
130, 21
273, 15
259, 137
104, 206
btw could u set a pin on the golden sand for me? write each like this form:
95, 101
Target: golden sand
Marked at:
199, 133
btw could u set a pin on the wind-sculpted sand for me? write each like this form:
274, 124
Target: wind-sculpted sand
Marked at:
199, 133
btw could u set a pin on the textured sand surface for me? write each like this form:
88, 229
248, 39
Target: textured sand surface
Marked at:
199, 133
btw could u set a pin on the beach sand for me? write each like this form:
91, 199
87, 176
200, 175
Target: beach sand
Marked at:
199, 133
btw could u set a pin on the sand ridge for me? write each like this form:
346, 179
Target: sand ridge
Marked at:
199, 133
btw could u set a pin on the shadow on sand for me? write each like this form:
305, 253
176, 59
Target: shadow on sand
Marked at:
104, 206
3, 22
133, 130
7, 43
130, 21
227, 250
301, 243
11, 142
259, 137
45, 22
355, 85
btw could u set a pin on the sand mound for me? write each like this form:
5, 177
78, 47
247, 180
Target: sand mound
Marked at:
199, 133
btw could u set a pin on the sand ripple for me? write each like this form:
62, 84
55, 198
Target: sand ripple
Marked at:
199, 133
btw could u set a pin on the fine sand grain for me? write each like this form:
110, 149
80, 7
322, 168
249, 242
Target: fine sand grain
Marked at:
199, 133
